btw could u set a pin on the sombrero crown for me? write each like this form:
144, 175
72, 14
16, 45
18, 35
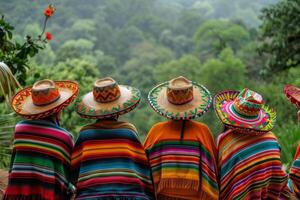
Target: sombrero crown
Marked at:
180, 98
245, 109
108, 99
248, 103
44, 98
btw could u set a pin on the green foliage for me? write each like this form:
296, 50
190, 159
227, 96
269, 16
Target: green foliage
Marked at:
289, 138
138, 70
74, 49
14, 54
188, 66
281, 35
215, 35
226, 72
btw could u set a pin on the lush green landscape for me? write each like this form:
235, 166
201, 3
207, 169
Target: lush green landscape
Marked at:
142, 43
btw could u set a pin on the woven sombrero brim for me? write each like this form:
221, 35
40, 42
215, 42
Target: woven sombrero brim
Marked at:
293, 94
197, 107
89, 108
23, 105
222, 104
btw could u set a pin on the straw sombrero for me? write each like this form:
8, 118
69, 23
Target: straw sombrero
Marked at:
244, 110
180, 99
44, 98
107, 100
293, 94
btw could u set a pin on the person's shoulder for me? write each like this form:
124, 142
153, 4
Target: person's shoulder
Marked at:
271, 135
200, 125
161, 125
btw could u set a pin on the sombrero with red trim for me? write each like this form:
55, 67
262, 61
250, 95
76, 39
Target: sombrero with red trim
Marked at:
293, 94
244, 110
44, 98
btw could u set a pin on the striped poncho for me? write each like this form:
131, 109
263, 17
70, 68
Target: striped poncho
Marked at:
109, 162
40, 162
294, 183
183, 165
250, 166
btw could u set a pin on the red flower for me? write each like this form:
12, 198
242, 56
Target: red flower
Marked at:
48, 12
48, 36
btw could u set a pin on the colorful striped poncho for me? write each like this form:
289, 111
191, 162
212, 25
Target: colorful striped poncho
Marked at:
183, 163
250, 166
294, 182
109, 162
40, 162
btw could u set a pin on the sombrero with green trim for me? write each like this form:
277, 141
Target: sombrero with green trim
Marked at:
180, 99
293, 94
107, 100
244, 110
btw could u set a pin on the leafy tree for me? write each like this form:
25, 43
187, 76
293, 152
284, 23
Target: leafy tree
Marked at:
74, 49
281, 35
15, 54
118, 12
106, 64
180, 44
188, 22
253, 61
84, 28
138, 71
204, 7
188, 66
215, 35
226, 72
127, 38
150, 25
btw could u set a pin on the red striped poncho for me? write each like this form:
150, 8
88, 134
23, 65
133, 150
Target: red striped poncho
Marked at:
250, 166
40, 162
294, 183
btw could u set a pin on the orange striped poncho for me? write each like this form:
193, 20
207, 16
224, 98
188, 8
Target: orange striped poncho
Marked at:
182, 167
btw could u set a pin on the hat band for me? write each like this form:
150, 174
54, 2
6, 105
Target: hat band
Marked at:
47, 103
241, 115
44, 97
106, 94
179, 97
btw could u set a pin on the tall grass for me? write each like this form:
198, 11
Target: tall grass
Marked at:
289, 138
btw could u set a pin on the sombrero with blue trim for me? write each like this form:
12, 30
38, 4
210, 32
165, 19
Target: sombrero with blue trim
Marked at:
244, 110
293, 94
180, 99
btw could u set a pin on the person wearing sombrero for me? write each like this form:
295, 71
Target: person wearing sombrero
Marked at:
182, 152
108, 160
249, 154
293, 95
41, 156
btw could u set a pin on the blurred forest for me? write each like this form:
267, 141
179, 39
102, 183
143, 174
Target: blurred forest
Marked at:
142, 43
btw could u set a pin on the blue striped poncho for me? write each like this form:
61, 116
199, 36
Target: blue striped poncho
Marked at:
109, 162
